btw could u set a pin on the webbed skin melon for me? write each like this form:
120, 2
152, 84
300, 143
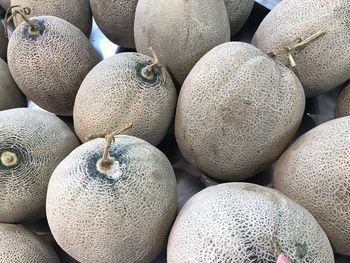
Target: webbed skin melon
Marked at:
118, 91
3, 42
32, 144
180, 31
49, 63
314, 171
122, 212
237, 111
240, 222
342, 107
10, 95
238, 13
20, 245
323, 63
76, 12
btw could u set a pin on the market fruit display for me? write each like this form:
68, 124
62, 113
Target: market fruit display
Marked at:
238, 12
342, 108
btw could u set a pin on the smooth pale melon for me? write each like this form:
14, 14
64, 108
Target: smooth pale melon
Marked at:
49, 64
10, 95
237, 111
119, 213
238, 13
342, 107
32, 144
3, 42
77, 12
19, 245
323, 63
236, 222
119, 91
180, 31
314, 171
116, 20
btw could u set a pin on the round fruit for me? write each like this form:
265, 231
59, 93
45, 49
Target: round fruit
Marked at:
237, 111
49, 61
116, 20
32, 143
3, 42
22, 246
342, 107
314, 172
10, 95
115, 210
77, 12
238, 13
312, 36
126, 88
184, 34
239, 222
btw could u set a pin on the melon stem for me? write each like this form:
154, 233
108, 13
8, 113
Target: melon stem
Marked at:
24, 13
8, 158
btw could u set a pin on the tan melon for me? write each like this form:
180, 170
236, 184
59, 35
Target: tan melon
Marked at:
322, 63
50, 63
181, 32
3, 42
120, 212
237, 222
10, 95
19, 245
116, 20
32, 144
342, 107
314, 172
237, 111
238, 13
77, 12
120, 90
5, 4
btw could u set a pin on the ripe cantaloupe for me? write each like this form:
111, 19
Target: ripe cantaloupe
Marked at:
238, 13
19, 245
10, 95
342, 107
3, 42
322, 63
239, 222
32, 144
120, 212
116, 20
314, 171
237, 111
181, 32
121, 90
50, 62
77, 12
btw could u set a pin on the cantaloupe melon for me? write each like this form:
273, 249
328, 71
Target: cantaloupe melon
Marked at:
32, 143
238, 13
323, 61
5, 4
116, 20
77, 12
181, 32
3, 42
237, 111
126, 88
314, 171
239, 222
115, 212
10, 95
50, 62
342, 107
19, 245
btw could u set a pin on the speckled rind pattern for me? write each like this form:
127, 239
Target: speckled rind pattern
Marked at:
5, 4
238, 13
237, 111
342, 107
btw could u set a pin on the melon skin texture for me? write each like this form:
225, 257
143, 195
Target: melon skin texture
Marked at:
50, 66
3, 42
76, 12
322, 64
116, 92
5, 4
342, 107
318, 163
237, 111
20, 245
238, 13
181, 32
116, 20
37, 142
122, 215
10, 95
235, 222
